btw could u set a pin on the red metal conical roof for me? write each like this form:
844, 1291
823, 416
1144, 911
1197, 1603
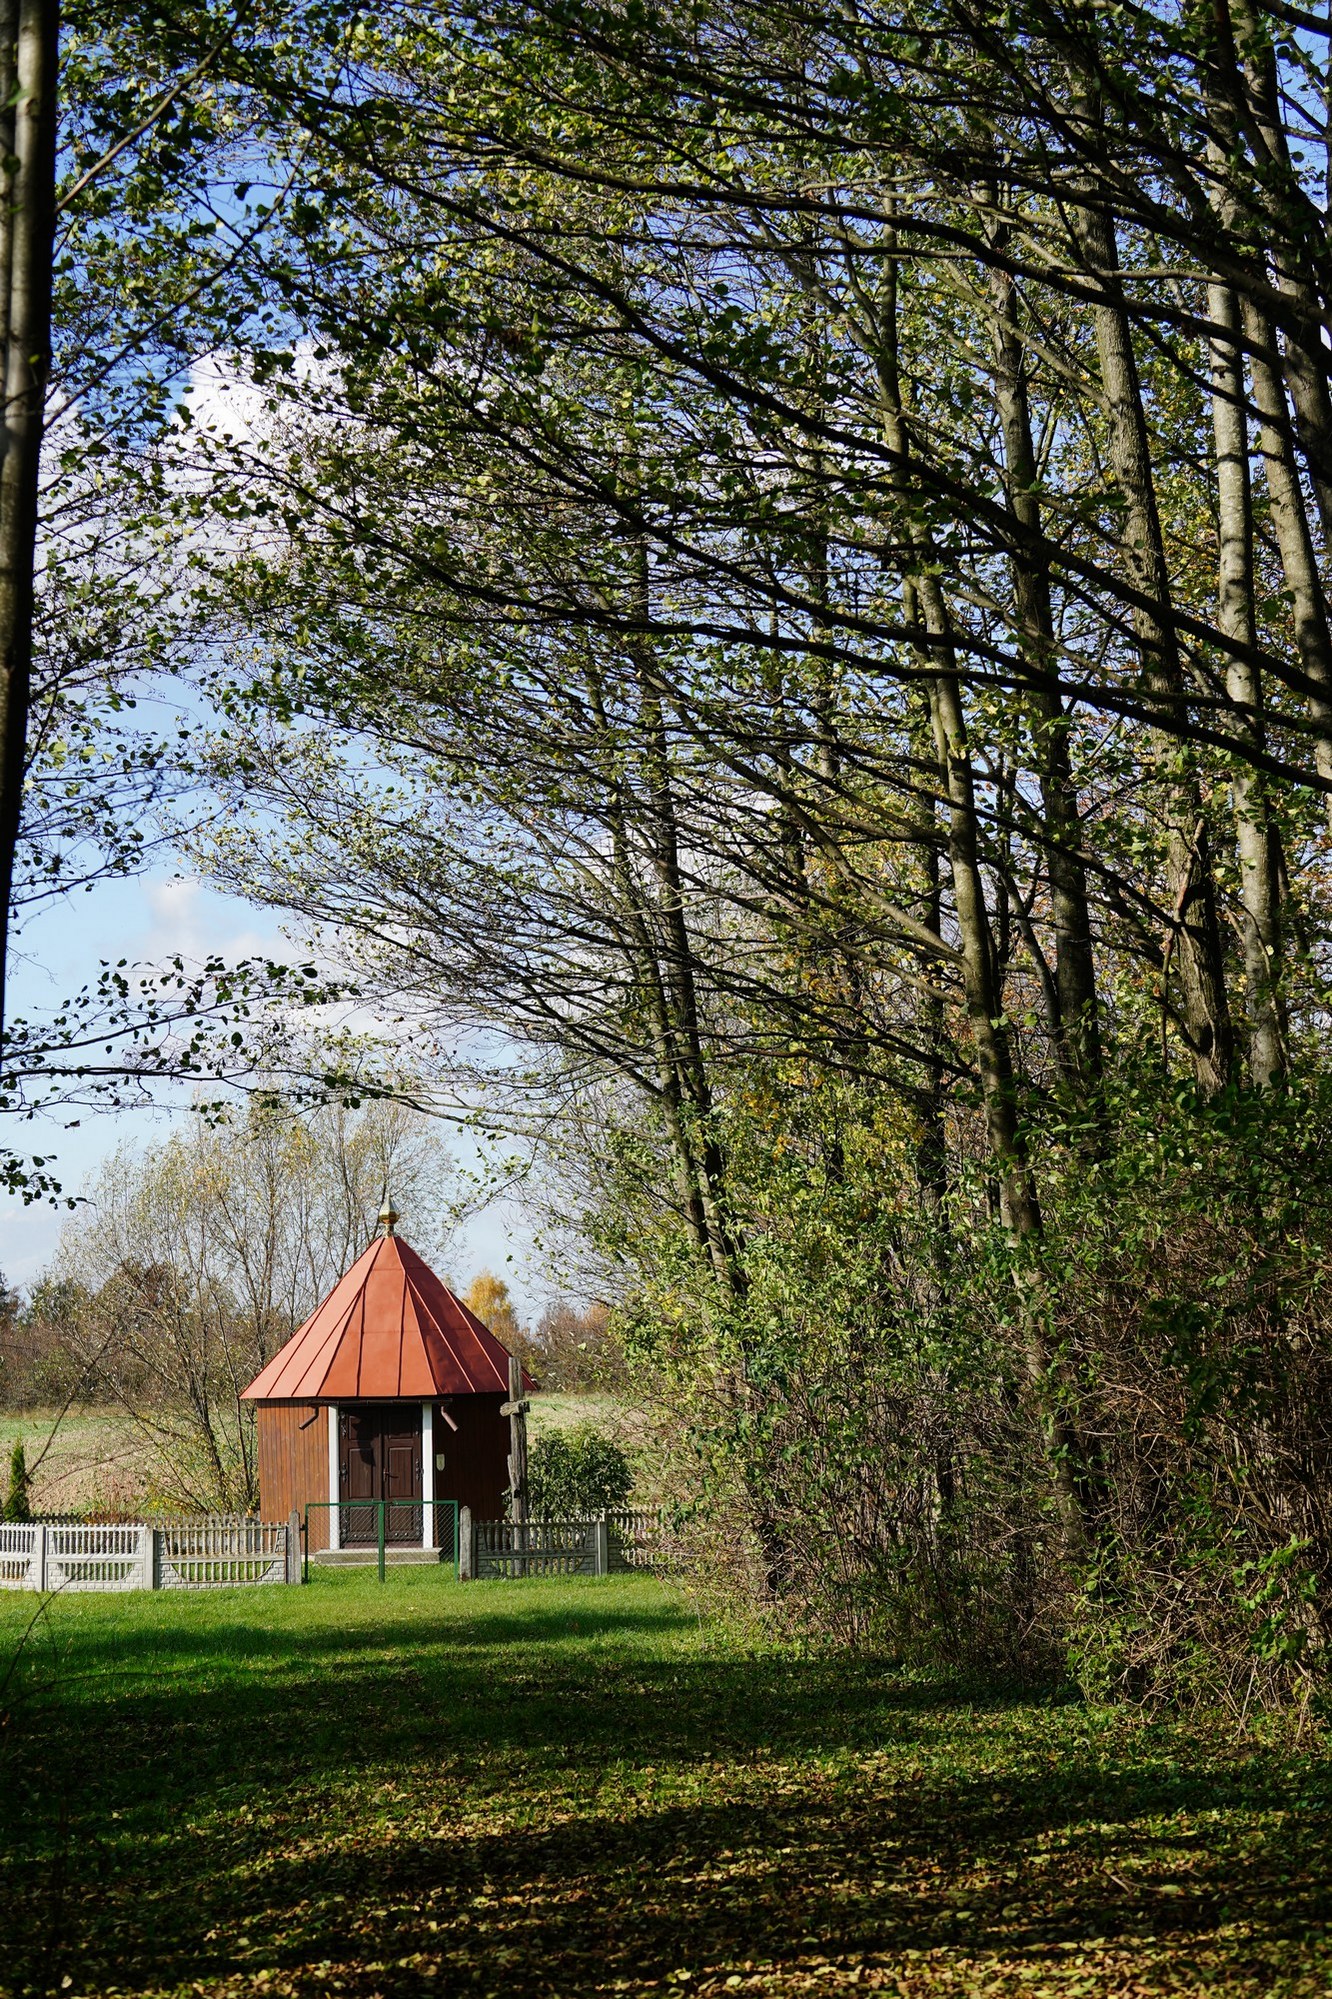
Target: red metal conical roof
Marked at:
387, 1331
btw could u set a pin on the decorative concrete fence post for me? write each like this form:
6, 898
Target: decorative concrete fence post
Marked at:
150, 1558
38, 1569
293, 1546
601, 1566
466, 1562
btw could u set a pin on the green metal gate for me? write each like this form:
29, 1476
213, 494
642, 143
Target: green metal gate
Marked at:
444, 1513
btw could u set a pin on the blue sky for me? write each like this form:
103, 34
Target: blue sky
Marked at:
145, 919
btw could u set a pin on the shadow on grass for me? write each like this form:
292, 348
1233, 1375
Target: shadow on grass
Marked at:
557, 1794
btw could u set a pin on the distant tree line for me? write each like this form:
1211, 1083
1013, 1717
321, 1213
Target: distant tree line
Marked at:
570, 1350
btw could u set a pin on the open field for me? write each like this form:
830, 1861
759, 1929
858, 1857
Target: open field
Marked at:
568, 1787
553, 1410
91, 1457
98, 1457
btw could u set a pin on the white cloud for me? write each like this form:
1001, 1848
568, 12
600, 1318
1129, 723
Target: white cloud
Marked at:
225, 401
191, 920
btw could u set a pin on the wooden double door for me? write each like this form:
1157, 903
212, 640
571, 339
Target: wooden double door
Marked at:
379, 1457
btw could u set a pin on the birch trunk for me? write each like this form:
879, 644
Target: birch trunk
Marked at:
1255, 836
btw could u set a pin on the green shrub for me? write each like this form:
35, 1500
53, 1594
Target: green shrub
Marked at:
18, 1504
573, 1473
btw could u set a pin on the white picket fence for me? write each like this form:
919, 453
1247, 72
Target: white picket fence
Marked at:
214, 1553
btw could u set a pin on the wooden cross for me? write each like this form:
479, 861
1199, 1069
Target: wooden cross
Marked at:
516, 1411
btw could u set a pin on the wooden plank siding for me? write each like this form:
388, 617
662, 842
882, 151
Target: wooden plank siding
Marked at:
475, 1471
293, 1463
293, 1456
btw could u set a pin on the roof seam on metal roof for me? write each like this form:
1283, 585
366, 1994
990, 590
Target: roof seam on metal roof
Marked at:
456, 1347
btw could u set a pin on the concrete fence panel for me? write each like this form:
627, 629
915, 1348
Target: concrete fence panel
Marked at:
212, 1553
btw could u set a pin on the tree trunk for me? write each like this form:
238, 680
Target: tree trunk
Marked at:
1190, 886
931, 1155
641, 954
1019, 1204
1255, 103
1255, 836
1290, 523
1077, 1028
686, 1035
30, 32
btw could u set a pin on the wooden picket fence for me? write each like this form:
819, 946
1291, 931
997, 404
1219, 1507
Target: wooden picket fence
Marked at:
608, 1544
541, 1548
218, 1552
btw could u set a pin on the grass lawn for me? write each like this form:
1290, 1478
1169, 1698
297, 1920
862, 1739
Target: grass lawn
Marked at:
569, 1787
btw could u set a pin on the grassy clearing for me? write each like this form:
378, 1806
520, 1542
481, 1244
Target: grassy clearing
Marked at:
558, 1788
